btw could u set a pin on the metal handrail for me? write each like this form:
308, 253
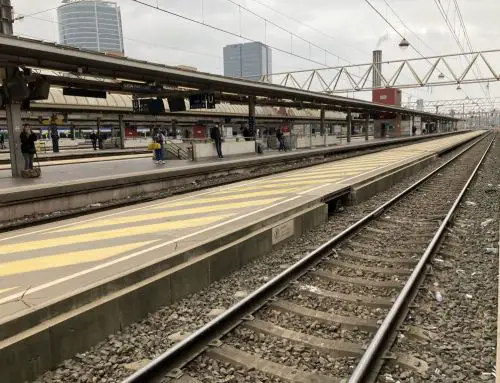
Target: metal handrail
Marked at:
188, 348
370, 356
180, 151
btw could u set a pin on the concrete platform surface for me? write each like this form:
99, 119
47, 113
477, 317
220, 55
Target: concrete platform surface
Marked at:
59, 172
38, 265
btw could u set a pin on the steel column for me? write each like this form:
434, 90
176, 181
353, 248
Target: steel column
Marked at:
13, 110
349, 125
122, 131
367, 126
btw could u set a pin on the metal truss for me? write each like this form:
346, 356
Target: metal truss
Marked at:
459, 105
412, 73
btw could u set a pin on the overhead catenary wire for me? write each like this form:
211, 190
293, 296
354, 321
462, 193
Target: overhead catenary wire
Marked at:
446, 18
222, 30
126, 38
268, 21
295, 20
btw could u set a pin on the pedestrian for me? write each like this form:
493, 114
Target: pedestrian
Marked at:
28, 149
281, 140
54, 135
215, 135
93, 139
159, 138
2, 140
414, 130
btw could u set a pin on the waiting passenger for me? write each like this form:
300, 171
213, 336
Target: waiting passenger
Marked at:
2, 140
216, 136
281, 140
93, 138
159, 138
28, 149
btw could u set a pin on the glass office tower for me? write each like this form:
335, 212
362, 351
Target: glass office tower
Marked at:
91, 24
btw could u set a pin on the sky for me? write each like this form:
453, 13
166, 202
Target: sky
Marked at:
348, 30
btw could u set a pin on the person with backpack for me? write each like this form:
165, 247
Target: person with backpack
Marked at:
159, 138
28, 148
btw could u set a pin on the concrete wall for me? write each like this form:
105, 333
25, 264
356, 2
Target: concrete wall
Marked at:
229, 148
314, 141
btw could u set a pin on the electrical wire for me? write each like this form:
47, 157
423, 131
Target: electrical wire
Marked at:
339, 41
128, 39
225, 31
456, 37
285, 30
22, 16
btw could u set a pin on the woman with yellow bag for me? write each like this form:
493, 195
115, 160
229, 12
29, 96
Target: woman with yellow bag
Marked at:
157, 146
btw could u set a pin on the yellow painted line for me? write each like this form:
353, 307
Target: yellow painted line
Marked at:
278, 189
8, 289
167, 214
102, 235
67, 259
217, 198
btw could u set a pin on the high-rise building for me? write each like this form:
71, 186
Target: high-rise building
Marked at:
249, 61
91, 24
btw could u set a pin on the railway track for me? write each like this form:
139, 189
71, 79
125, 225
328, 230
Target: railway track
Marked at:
332, 316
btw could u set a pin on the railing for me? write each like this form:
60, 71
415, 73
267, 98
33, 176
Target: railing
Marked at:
177, 151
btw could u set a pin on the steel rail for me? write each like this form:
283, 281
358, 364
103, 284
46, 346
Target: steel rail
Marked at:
187, 349
378, 345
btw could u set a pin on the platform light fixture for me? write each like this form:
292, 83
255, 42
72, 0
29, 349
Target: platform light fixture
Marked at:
441, 76
404, 44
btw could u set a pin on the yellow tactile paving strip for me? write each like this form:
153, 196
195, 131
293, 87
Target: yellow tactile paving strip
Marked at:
86, 160
34, 258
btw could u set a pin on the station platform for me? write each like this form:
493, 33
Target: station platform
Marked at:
93, 265
64, 256
87, 169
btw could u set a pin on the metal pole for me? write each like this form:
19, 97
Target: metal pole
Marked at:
122, 131
367, 126
349, 125
251, 116
13, 110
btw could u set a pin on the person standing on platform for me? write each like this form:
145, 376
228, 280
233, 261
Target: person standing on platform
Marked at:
54, 135
159, 138
93, 139
215, 135
2, 140
414, 130
281, 140
28, 148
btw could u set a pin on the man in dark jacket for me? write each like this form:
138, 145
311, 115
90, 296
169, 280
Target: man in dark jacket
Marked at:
28, 149
281, 140
93, 138
54, 135
215, 135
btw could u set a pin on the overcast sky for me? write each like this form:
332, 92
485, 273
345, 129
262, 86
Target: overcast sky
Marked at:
347, 28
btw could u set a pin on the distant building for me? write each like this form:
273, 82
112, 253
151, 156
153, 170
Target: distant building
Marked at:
91, 24
249, 61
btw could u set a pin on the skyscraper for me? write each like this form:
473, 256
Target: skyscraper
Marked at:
249, 61
91, 24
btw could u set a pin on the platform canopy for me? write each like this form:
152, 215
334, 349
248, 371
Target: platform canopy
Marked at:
77, 67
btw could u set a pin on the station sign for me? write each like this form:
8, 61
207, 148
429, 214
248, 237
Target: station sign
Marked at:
136, 87
148, 105
202, 101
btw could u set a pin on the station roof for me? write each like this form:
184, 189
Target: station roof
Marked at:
117, 102
16, 51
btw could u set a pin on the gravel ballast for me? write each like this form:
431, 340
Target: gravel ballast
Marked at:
465, 274
109, 361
